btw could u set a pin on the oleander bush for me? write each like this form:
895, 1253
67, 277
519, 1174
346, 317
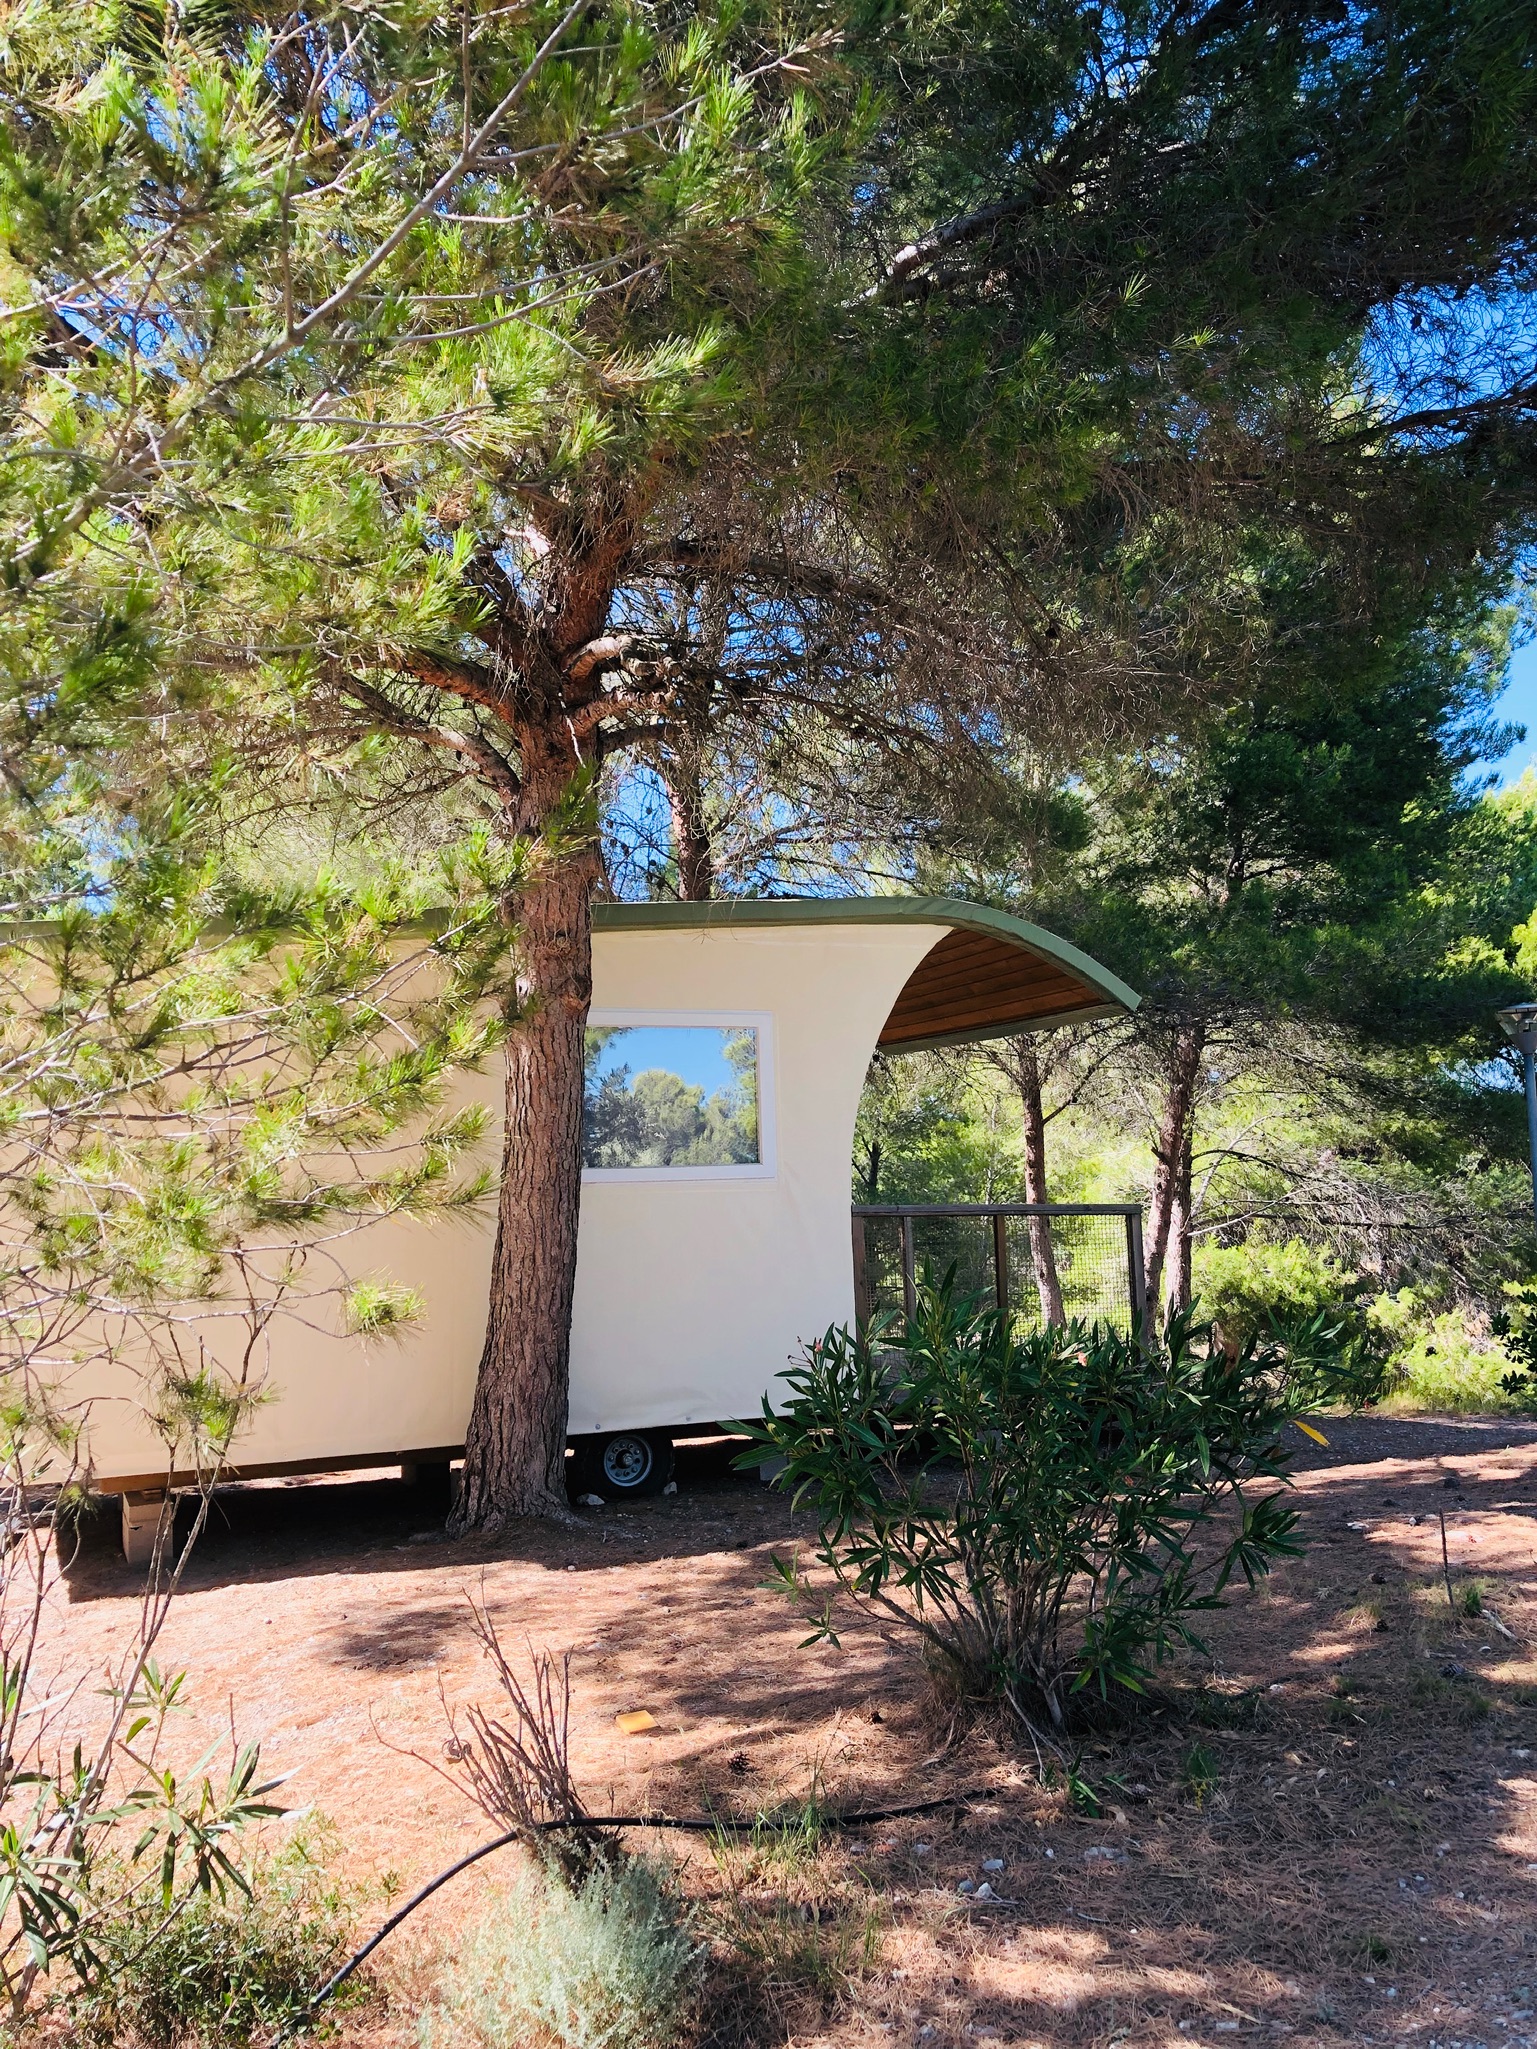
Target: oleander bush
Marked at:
222, 1971
1046, 1512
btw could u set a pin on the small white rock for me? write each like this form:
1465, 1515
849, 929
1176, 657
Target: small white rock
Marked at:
671, 1487
992, 1863
984, 1892
591, 1500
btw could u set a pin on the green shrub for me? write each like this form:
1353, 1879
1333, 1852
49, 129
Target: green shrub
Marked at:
606, 1962
1028, 1504
1251, 1288
223, 1971
1516, 1329
1439, 1361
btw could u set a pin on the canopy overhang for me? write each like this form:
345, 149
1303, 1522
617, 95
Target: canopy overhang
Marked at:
988, 977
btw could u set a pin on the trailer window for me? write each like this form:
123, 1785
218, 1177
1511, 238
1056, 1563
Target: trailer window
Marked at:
665, 1097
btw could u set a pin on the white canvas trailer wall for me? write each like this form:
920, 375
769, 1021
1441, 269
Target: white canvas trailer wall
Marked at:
696, 1284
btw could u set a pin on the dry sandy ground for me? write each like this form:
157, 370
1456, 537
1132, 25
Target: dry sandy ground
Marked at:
1364, 1869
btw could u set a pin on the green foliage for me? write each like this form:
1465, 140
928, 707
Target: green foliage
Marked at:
205, 1088
222, 1972
1515, 1325
1101, 252
185, 233
792, 1950
1440, 1360
607, 1962
381, 1308
798, 1932
1081, 1796
88, 1834
1317, 907
929, 1131
1313, 854
1250, 1288
193, 1071
87, 1877
1047, 1513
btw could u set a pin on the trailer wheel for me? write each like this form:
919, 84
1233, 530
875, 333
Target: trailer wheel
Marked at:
624, 1464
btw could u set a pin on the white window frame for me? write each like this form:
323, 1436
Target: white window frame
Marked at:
766, 1167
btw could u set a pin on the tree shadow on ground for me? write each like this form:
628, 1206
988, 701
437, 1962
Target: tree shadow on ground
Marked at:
1325, 1829
1322, 1828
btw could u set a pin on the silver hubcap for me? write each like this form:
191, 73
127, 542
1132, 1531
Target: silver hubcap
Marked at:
626, 1461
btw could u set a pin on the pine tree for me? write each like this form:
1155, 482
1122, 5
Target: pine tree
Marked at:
1315, 872
644, 437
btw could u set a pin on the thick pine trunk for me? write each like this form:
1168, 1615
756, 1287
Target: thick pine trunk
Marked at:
515, 1450
1174, 1129
1042, 1252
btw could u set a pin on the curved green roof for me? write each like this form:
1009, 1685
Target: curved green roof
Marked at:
1108, 995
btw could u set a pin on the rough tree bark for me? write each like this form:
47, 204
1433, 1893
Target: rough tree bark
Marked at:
543, 715
1170, 1145
515, 1450
1027, 1076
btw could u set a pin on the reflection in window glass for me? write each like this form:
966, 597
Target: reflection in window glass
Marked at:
671, 1096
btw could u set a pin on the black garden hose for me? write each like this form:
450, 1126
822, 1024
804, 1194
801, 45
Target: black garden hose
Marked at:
697, 1824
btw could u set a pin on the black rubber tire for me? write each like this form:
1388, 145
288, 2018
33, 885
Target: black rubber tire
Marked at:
623, 1465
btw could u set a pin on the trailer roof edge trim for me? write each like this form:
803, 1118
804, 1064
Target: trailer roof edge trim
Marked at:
992, 975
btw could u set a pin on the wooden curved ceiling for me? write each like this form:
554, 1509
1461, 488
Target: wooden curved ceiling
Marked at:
972, 986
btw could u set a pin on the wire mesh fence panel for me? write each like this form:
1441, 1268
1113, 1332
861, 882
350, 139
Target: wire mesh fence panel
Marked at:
1060, 1266
1066, 1269
939, 1244
962, 1243
883, 1266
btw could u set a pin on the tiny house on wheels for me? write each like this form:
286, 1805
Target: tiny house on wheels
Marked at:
727, 1047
